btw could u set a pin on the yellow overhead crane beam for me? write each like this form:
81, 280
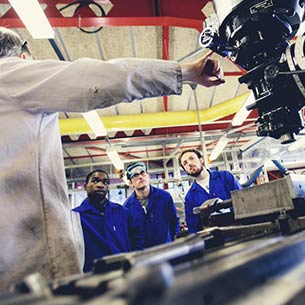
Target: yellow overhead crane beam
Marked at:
74, 126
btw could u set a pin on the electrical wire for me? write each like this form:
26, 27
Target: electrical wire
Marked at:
83, 3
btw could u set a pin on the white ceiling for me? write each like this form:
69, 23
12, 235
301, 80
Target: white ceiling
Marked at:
160, 142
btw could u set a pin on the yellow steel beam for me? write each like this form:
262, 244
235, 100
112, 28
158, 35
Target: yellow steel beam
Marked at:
154, 120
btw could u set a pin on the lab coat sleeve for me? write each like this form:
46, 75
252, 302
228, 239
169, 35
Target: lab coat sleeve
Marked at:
78, 237
86, 84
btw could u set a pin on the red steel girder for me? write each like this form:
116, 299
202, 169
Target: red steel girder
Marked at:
165, 50
183, 9
191, 9
110, 21
172, 8
123, 13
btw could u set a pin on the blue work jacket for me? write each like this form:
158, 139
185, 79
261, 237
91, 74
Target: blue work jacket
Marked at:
104, 233
159, 225
220, 186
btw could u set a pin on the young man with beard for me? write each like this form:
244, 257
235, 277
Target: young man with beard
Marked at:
104, 223
208, 184
152, 210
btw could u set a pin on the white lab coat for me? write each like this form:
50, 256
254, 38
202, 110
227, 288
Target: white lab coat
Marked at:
36, 224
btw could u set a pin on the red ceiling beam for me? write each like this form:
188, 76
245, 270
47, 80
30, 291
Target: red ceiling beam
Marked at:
165, 39
131, 154
110, 21
234, 73
122, 13
189, 8
165, 56
135, 8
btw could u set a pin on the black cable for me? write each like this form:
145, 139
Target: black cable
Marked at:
56, 49
157, 9
82, 3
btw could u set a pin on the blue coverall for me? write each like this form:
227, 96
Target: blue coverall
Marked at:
220, 186
159, 225
104, 233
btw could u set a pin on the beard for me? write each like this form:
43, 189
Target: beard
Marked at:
97, 198
197, 172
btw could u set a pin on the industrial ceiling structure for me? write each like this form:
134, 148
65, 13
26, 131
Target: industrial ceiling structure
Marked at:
151, 130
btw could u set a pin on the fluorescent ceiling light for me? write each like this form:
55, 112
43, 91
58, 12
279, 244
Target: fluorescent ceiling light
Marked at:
274, 150
221, 144
250, 144
177, 173
125, 179
300, 142
243, 113
33, 17
95, 123
301, 30
115, 158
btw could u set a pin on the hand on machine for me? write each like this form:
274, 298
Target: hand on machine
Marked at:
215, 211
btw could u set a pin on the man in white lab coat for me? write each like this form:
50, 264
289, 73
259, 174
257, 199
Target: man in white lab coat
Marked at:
36, 227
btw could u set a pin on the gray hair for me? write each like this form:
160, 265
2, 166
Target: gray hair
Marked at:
11, 44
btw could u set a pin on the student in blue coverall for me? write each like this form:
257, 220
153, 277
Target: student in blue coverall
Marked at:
208, 184
104, 223
152, 210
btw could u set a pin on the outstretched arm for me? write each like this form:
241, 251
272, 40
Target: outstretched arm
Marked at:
87, 84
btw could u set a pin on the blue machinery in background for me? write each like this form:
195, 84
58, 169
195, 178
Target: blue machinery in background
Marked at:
258, 171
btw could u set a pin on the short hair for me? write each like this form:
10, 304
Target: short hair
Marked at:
11, 45
191, 150
96, 171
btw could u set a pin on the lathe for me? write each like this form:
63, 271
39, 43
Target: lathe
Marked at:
255, 256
